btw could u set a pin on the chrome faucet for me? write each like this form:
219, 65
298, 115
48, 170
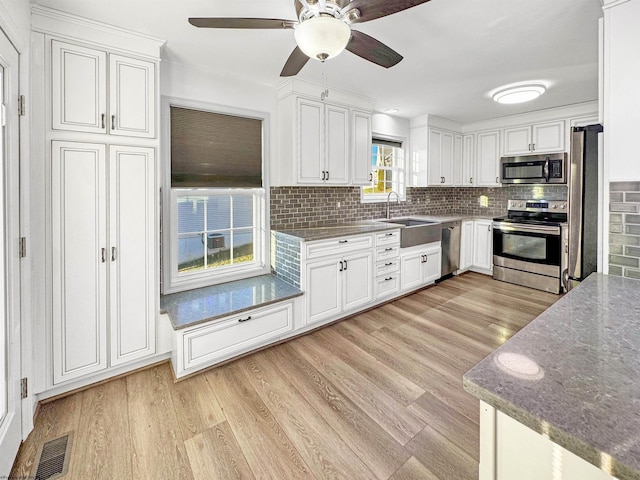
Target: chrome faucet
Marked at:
388, 201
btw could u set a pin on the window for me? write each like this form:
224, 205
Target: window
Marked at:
388, 171
216, 197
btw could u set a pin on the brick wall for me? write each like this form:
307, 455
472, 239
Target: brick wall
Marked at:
304, 207
624, 229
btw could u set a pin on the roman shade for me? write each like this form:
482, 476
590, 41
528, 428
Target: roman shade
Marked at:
210, 150
388, 143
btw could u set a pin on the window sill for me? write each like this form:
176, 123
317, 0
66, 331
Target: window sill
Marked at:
200, 305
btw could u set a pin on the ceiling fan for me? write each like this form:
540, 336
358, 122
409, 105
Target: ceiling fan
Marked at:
323, 30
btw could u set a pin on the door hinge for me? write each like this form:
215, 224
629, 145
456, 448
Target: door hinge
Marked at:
23, 247
22, 107
24, 391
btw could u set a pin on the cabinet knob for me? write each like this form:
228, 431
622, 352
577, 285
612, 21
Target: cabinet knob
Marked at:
345, 265
341, 265
327, 174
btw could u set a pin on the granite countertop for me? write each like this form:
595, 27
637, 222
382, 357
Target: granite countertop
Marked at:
189, 308
368, 226
575, 372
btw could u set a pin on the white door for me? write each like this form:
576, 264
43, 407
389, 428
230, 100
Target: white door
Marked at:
468, 159
131, 97
337, 140
80, 256
466, 245
10, 402
361, 148
131, 252
432, 266
446, 162
357, 280
310, 142
488, 159
483, 246
323, 290
79, 88
411, 270
517, 140
435, 157
548, 137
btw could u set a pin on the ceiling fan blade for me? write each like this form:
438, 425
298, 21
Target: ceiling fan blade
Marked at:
373, 50
294, 64
372, 9
269, 23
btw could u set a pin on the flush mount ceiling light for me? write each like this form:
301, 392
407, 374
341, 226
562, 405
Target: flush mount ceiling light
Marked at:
322, 37
519, 94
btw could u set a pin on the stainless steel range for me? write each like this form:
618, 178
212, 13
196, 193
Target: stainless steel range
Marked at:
530, 244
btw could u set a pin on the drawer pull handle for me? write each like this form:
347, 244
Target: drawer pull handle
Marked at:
341, 265
343, 241
113, 122
102, 118
388, 234
388, 278
388, 249
244, 319
345, 265
113, 254
388, 264
103, 255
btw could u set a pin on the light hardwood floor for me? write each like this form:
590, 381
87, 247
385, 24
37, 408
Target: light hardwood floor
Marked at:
377, 396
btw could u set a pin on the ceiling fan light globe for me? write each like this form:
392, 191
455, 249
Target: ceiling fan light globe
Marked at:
322, 37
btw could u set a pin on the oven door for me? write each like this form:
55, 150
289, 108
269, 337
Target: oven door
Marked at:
533, 248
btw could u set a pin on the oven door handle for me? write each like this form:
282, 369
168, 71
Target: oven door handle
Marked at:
524, 228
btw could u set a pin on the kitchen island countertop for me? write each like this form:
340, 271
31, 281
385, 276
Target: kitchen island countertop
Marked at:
585, 390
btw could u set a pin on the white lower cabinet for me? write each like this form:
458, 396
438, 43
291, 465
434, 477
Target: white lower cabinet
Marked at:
420, 267
510, 450
466, 245
103, 256
387, 268
483, 245
335, 285
218, 340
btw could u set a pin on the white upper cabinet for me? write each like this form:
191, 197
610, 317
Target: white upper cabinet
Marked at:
361, 148
488, 159
458, 167
81, 101
537, 138
337, 145
468, 160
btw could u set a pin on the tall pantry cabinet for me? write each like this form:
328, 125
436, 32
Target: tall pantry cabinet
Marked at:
98, 99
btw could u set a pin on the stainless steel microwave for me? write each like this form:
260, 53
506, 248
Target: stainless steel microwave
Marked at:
541, 169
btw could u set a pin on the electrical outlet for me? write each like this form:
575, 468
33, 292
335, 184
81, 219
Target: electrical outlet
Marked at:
338, 205
484, 201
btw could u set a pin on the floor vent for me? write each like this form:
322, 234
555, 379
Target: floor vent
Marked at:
53, 459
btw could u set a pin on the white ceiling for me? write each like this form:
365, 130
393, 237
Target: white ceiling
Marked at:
455, 51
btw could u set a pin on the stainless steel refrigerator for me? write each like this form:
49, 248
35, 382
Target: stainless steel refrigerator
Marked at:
583, 205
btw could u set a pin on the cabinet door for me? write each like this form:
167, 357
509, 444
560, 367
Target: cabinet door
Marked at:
458, 178
488, 159
357, 280
548, 137
132, 86
468, 160
132, 259
411, 270
361, 148
310, 142
435, 158
466, 245
323, 290
337, 141
446, 162
483, 246
432, 266
418, 139
517, 140
78, 206
79, 88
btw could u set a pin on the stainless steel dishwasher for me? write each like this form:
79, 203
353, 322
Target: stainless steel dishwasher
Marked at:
450, 248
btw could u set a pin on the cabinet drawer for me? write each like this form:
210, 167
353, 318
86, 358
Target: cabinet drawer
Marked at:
385, 253
387, 285
338, 246
384, 268
388, 238
235, 335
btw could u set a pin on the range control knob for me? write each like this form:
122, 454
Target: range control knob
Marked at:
520, 205
554, 205
563, 206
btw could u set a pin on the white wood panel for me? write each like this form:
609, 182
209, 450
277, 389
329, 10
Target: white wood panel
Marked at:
310, 143
466, 245
548, 137
411, 270
132, 255
387, 285
458, 176
432, 267
388, 238
337, 246
483, 244
79, 88
337, 144
488, 159
468, 160
357, 280
517, 140
361, 148
79, 274
131, 97
224, 338
323, 290
435, 157
446, 161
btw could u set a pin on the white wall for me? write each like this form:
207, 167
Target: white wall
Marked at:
384, 124
622, 89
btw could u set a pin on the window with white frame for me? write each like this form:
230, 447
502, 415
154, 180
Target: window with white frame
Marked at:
388, 171
217, 200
